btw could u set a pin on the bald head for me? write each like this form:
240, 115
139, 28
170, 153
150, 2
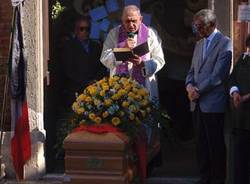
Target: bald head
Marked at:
131, 18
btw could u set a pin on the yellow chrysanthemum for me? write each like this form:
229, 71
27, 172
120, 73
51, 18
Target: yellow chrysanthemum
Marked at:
123, 79
143, 92
92, 90
116, 78
102, 81
105, 87
97, 102
115, 121
102, 93
111, 81
88, 99
127, 87
107, 102
98, 120
125, 104
75, 106
131, 94
138, 97
105, 114
81, 97
115, 97
121, 92
92, 116
80, 110
117, 86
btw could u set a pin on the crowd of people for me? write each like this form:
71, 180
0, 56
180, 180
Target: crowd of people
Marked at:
209, 85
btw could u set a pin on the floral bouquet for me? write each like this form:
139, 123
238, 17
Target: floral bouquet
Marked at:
119, 103
117, 100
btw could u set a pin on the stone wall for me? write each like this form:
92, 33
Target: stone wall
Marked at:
32, 19
5, 28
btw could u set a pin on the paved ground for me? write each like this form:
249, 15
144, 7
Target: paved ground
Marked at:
31, 182
179, 167
155, 180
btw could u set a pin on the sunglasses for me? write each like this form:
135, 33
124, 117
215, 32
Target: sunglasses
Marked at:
84, 29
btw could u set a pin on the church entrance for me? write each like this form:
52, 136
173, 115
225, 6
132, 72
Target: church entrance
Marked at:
172, 20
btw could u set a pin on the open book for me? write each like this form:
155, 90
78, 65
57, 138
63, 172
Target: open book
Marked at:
123, 54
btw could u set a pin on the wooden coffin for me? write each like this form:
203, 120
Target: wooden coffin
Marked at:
97, 158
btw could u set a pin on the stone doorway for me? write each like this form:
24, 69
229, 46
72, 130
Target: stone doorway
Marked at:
35, 34
172, 19
176, 35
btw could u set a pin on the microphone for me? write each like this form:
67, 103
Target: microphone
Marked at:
131, 41
131, 35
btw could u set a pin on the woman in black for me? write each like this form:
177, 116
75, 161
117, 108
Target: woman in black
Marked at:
240, 97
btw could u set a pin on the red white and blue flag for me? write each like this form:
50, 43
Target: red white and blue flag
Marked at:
20, 142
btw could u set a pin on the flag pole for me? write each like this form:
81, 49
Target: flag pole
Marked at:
5, 92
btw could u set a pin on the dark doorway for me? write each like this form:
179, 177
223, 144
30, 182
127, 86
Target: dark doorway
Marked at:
172, 19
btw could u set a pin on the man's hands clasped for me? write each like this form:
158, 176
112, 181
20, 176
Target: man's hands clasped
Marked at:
193, 93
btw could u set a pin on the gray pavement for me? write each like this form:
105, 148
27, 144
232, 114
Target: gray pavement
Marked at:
154, 180
179, 167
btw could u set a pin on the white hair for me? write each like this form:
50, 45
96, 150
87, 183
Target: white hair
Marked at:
131, 8
207, 15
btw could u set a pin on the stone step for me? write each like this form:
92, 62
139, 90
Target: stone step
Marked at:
58, 179
171, 180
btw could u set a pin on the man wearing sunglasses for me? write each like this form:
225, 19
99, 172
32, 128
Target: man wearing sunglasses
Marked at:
80, 62
205, 87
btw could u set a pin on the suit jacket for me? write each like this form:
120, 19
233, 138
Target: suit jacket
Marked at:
240, 77
208, 74
78, 68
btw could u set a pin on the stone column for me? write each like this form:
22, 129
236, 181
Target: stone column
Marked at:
223, 10
33, 42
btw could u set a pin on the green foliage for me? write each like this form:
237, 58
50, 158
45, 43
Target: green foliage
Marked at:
67, 123
57, 9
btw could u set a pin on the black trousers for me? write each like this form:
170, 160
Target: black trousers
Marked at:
241, 156
173, 98
210, 146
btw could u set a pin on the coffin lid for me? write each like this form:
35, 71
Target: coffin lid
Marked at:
84, 140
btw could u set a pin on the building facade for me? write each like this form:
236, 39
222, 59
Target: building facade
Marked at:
35, 18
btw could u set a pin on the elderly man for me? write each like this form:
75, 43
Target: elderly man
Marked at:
133, 32
205, 86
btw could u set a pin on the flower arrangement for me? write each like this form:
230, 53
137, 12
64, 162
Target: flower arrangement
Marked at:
118, 100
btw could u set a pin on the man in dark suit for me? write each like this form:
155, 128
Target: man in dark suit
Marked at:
205, 86
80, 61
